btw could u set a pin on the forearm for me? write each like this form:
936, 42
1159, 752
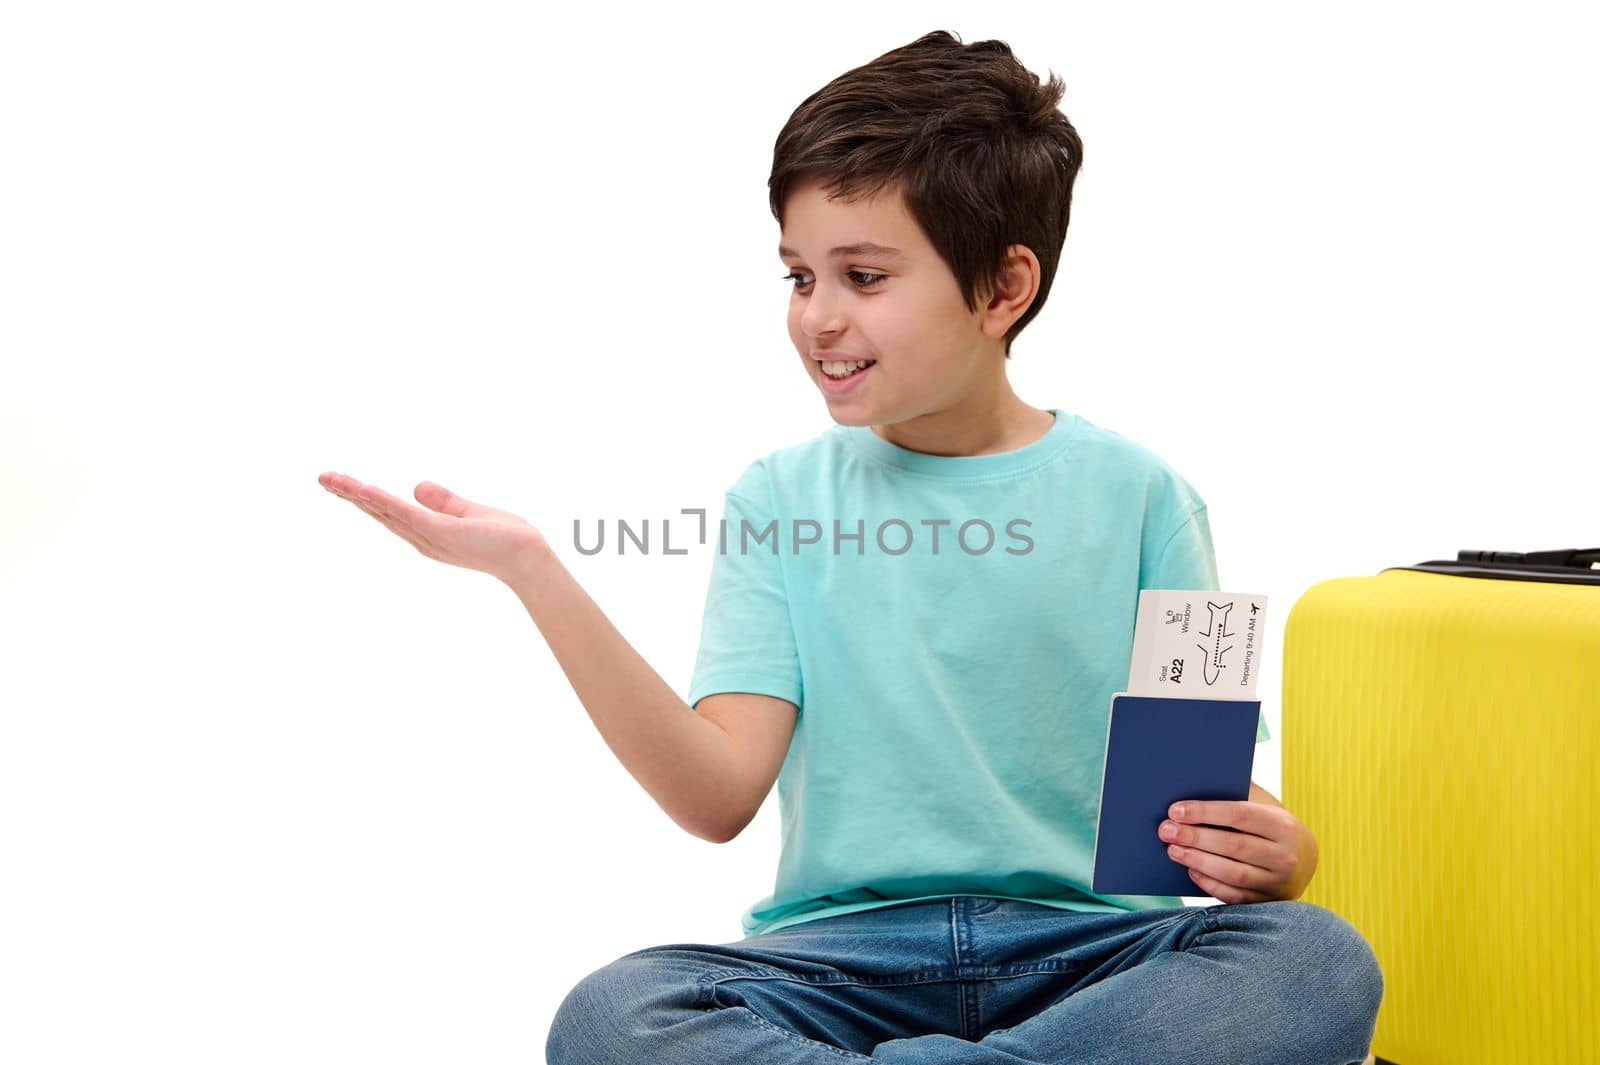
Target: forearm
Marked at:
686, 762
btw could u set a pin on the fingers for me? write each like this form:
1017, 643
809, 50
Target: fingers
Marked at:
380, 505
1235, 871
1257, 818
1242, 864
399, 528
1226, 892
435, 498
394, 508
1243, 846
403, 518
1224, 872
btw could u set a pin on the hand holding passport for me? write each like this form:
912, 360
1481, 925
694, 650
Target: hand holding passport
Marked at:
1184, 729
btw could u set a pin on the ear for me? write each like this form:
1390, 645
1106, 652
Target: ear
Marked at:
1015, 292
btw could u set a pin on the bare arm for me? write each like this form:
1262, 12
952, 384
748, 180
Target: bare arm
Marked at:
692, 766
688, 763
1260, 794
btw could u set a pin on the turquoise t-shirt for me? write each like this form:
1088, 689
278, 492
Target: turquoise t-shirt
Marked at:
952, 629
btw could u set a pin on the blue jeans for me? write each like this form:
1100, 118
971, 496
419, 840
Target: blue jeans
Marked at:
971, 980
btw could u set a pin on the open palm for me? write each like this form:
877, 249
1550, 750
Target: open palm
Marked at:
446, 527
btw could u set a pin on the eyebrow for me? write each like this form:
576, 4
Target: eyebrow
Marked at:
863, 249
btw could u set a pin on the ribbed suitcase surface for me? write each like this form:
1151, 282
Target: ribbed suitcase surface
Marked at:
1440, 738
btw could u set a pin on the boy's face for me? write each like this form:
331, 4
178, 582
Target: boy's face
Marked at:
903, 309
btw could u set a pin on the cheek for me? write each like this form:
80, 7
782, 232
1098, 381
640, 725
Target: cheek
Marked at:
907, 333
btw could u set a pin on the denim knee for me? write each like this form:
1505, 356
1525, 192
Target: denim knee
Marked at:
587, 1022
1340, 950
620, 1011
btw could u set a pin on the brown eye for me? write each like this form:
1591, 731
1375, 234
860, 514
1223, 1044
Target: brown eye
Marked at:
871, 280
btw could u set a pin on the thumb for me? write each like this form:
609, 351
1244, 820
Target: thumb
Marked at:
438, 497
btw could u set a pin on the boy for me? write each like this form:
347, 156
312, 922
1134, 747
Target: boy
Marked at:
914, 627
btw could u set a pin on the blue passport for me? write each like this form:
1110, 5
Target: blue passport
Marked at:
1158, 751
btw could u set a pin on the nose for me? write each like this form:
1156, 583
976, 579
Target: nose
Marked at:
821, 314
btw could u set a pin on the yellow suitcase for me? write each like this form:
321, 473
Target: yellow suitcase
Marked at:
1441, 738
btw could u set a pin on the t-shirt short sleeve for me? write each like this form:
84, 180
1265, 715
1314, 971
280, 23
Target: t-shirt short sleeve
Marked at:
1189, 560
747, 641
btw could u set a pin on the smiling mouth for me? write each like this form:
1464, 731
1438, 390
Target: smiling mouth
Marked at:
858, 365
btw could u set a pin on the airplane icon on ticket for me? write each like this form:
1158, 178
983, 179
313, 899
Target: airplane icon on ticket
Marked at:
1197, 643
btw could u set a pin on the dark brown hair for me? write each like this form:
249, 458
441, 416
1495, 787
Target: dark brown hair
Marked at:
981, 155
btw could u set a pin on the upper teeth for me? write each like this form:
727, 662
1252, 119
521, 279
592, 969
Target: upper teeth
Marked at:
837, 369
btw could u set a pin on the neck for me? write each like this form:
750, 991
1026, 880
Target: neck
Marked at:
981, 424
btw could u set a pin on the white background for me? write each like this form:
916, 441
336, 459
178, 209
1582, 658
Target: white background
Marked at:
274, 786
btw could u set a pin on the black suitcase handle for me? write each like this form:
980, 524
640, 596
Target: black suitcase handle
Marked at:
1571, 565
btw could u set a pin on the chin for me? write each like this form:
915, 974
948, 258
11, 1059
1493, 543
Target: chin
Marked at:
848, 417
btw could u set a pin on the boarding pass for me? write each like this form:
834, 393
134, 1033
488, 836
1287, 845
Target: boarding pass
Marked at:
1197, 644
